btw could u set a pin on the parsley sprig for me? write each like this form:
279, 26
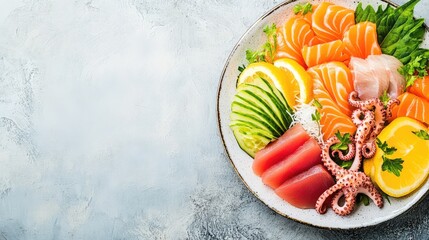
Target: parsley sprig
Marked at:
316, 116
417, 68
303, 8
343, 146
317, 104
422, 134
266, 53
392, 165
345, 140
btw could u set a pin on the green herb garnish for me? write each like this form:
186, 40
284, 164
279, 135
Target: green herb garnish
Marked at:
255, 56
391, 165
303, 8
266, 53
417, 67
345, 140
316, 116
422, 134
317, 104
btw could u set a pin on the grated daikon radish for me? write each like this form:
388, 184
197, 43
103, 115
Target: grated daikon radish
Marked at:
303, 114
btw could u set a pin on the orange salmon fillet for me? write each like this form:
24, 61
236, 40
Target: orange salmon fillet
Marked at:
329, 21
323, 53
361, 40
332, 118
337, 79
421, 87
412, 106
291, 37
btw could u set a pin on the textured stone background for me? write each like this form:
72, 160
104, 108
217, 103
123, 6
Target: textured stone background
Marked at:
108, 125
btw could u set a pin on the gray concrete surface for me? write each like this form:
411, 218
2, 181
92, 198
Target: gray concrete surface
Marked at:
108, 125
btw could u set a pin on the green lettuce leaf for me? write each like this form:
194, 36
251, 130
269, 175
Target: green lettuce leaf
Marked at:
367, 14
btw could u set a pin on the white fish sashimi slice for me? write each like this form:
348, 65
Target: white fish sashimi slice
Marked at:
380, 71
365, 82
397, 81
376, 74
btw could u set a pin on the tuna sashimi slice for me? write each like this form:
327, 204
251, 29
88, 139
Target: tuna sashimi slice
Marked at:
303, 190
301, 160
279, 149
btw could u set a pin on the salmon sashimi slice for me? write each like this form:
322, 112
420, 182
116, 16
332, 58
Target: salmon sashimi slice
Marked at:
299, 161
276, 151
412, 106
376, 74
315, 41
291, 37
332, 119
303, 190
420, 87
360, 40
338, 81
323, 53
330, 22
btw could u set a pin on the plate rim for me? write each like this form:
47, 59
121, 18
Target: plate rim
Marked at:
225, 148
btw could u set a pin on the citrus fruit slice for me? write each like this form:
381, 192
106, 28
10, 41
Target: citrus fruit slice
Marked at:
298, 80
412, 149
272, 74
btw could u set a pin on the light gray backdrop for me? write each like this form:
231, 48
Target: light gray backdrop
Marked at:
108, 125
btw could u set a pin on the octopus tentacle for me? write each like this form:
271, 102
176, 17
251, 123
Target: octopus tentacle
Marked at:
326, 158
320, 203
380, 118
369, 149
349, 155
349, 202
369, 190
361, 133
356, 117
355, 102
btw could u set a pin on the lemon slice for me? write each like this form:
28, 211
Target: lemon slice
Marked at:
272, 74
410, 148
298, 78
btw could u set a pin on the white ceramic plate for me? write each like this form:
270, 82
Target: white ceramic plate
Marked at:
363, 215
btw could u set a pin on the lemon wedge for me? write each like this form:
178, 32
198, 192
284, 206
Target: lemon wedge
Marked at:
272, 74
410, 148
299, 80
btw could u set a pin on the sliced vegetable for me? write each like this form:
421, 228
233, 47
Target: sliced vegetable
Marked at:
259, 115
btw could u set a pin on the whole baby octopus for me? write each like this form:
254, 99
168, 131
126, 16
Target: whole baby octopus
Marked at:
370, 118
